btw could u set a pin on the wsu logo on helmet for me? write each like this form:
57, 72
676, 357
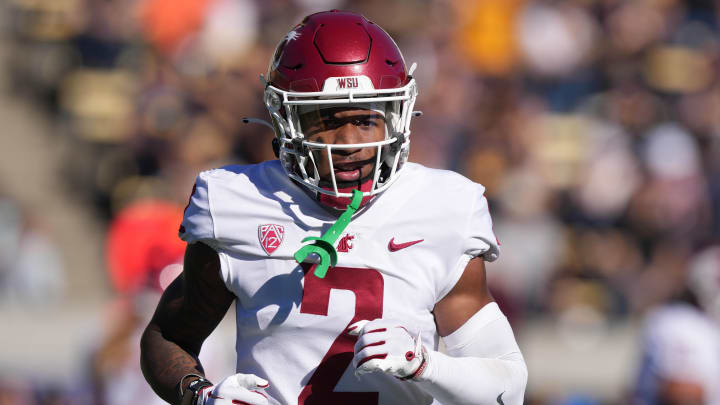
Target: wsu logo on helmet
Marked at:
271, 236
347, 83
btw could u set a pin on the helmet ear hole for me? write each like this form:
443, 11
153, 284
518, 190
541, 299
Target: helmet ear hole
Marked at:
276, 147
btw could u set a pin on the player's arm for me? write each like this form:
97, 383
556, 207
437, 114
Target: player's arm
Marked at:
189, 310
467, 297
483, 364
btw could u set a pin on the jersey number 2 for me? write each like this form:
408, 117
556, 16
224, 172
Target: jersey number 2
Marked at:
368, 285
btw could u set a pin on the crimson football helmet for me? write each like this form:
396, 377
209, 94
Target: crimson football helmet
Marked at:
339, 58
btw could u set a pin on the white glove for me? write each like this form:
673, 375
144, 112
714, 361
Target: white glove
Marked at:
385, 345
246, 389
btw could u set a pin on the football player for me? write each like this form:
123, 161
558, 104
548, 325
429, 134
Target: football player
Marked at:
356, 324
681, 341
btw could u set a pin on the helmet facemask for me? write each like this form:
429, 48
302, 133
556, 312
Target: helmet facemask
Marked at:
300, 156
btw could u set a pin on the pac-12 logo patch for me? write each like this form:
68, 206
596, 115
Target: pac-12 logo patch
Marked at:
271, 236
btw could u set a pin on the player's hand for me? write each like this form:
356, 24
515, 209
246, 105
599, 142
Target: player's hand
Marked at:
387, 346
245, 389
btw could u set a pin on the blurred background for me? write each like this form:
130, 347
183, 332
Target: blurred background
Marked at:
594, 125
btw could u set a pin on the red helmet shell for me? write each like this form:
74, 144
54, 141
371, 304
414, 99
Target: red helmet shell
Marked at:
336, 44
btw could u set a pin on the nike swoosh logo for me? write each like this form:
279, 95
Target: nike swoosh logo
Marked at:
499, 398
394, 247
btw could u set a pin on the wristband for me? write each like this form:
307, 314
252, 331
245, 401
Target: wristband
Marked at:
421, 368
190, 395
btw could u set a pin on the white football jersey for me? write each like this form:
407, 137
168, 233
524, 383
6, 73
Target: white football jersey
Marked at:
681, 343
399, 255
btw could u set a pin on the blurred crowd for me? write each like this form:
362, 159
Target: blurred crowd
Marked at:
594, 125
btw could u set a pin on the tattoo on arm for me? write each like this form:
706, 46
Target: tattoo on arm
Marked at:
164, 363
189, 310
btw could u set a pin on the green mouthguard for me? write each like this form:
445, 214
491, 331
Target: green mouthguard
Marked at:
324, 246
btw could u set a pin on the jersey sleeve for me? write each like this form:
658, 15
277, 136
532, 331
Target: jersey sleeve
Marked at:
481, 240
478, 241
197, 224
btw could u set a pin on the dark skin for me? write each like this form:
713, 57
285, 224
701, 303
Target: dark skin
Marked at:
189, 310
339, 126
195, 303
